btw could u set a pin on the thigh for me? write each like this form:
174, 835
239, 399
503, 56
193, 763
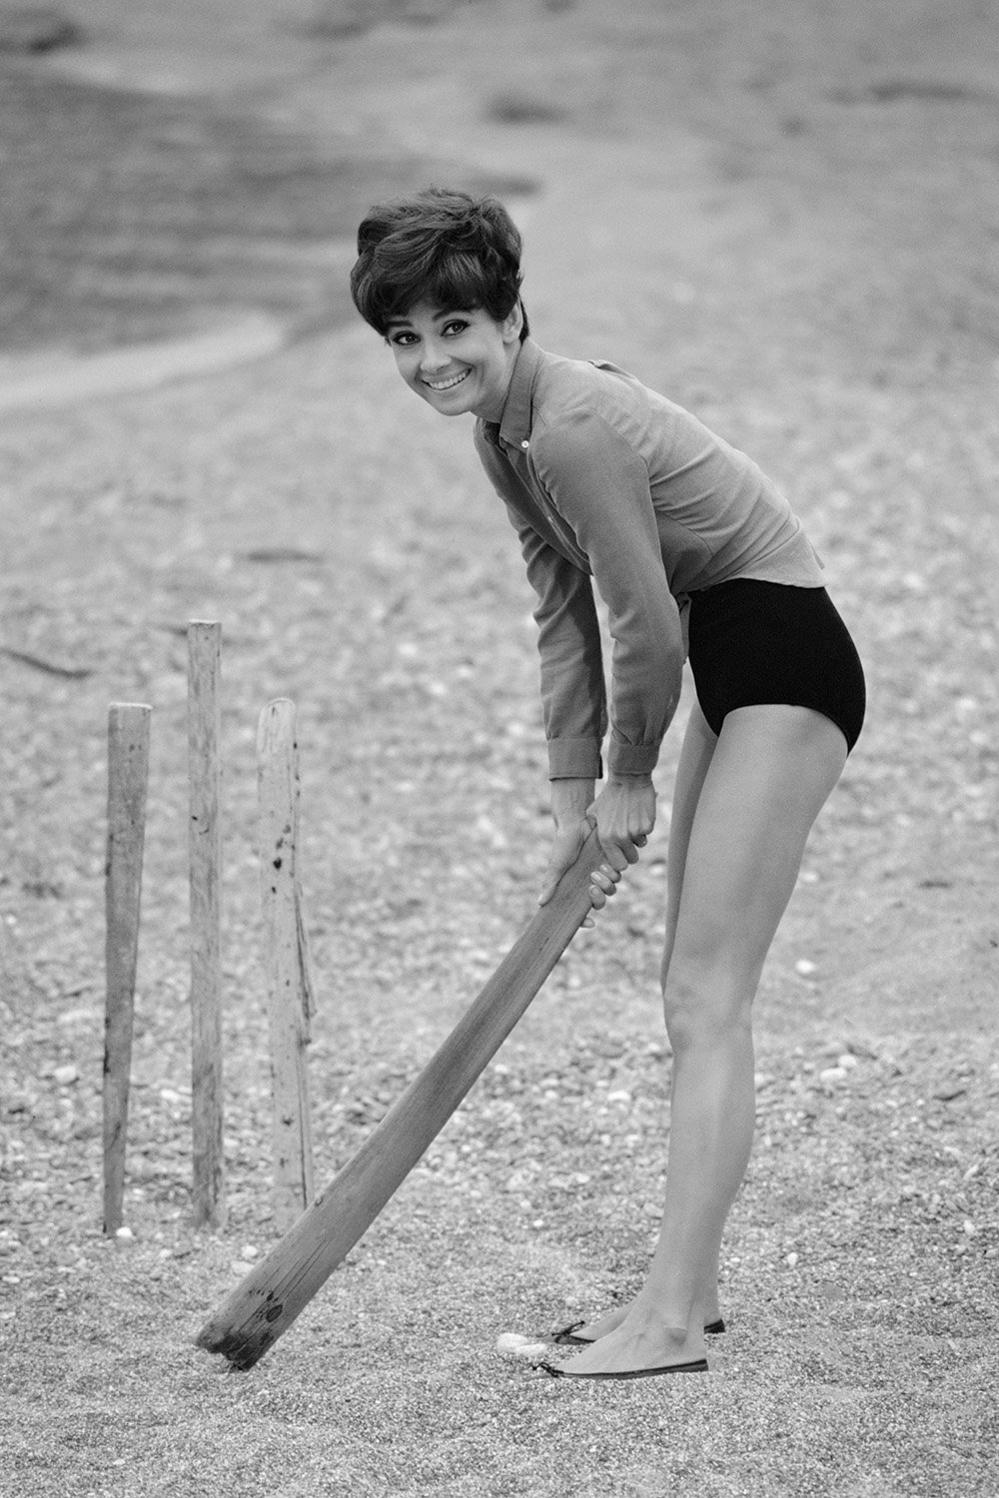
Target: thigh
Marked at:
695, 757
771, 771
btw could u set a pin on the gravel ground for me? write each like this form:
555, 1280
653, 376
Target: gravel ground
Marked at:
786, 225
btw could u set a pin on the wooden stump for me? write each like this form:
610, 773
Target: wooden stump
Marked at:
204, 642
289, 986
128, 779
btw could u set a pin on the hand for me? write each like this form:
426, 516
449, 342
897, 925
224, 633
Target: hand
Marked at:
570, 798
569, 839
625, 814
565, 850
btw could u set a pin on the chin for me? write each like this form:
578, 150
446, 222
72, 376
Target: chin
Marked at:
440, 411
456, 408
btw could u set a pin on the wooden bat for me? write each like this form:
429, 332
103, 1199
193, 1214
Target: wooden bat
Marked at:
266, 1302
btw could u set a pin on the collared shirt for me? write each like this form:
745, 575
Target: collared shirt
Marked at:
609, 483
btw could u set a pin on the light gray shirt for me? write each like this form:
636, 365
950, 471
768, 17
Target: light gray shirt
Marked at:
608, 482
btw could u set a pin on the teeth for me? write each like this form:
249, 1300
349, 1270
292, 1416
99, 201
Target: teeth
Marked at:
447, 384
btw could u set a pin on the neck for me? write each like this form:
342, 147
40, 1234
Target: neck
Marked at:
494, 411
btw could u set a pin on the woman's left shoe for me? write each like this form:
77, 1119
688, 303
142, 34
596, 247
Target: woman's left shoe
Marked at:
567, 1336
699, 1365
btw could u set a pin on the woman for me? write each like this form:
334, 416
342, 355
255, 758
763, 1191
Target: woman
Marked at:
694, 552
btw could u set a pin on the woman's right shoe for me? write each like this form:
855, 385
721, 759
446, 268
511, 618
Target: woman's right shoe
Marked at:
699, 1365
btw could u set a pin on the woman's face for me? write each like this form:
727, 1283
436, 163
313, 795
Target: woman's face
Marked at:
457, 361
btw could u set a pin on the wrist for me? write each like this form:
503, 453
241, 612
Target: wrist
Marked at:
571, 799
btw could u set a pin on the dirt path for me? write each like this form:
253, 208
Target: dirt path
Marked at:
52, 380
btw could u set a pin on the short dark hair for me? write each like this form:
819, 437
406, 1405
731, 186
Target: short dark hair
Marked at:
439, 246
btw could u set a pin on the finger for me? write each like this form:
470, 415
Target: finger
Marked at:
613, 858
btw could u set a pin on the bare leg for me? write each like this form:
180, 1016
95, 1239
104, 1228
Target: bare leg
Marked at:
696, 754
771, 770
695, 757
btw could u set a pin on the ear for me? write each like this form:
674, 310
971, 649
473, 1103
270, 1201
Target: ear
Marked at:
512, 324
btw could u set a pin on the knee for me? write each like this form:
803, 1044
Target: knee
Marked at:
706, 1003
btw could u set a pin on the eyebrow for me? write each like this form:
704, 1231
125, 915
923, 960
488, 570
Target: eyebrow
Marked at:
405, 322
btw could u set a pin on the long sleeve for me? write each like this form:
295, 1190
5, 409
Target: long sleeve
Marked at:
599, 486
572, 678
616, 489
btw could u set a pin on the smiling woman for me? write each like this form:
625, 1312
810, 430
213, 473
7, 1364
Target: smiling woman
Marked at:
458, 361
442, 285
614, 487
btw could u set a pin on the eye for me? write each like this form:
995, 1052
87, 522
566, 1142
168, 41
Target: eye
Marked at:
454, 326
403, 338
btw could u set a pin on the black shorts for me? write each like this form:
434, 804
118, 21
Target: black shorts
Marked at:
754, 642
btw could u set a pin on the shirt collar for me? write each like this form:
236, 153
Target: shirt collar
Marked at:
515, 424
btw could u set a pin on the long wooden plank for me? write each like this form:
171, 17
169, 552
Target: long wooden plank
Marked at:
272, 1295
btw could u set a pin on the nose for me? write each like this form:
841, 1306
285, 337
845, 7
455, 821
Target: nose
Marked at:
433, 356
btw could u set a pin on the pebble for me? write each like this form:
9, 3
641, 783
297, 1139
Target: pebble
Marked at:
65, 1076
804, 968
514, 1345
520, 1181
830, 1074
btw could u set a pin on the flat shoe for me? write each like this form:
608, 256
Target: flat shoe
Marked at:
566, 1337
699, 1365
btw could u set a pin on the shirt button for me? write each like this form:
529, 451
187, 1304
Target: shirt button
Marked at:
525, 444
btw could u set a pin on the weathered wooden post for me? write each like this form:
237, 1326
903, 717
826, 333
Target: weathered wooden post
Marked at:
128, 780
289, 985
204, 647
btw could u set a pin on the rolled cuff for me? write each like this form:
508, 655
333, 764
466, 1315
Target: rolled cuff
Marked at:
574, 759
632, 759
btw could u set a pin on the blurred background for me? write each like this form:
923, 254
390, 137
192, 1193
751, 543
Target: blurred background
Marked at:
166, 161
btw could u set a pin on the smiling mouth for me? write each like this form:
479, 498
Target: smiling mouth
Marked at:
447, 384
